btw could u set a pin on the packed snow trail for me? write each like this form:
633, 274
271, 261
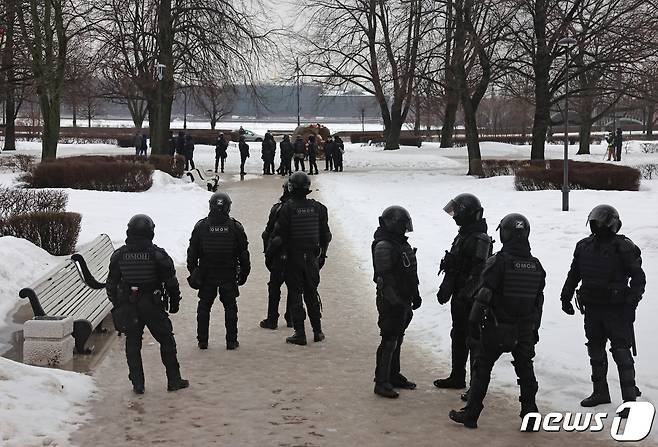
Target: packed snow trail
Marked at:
268, 393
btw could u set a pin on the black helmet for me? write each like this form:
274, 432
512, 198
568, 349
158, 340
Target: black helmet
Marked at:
299, 182
396, 220
220, 202
514, 226
465, 208
604, 218
140, 225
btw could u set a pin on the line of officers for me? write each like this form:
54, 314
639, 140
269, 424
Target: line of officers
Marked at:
496, 300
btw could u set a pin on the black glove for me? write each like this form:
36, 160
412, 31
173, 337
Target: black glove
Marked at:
242, 278
444, 293
567, 308
174, 305
416, 302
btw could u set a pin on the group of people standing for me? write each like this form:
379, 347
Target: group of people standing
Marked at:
615, 142
298, 152
182, 145
496, 302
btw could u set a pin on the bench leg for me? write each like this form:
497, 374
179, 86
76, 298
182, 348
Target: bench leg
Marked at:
81, 331
100, 329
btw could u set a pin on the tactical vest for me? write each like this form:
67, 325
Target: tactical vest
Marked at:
408, 270
604, 279
218, 242
517, 298
464, 259
139, 268
304, 225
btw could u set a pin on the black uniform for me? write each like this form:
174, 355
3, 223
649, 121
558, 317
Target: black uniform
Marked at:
275, 261
463, 266
287, 152
244, 154
172, 144
396, 276
329, 149
312, 154
139, 273
512, 298
180, 144
220, 152
299, 148
338, 154
218, 260
303, 231
619, 140
268, 153
605, 263
189, 152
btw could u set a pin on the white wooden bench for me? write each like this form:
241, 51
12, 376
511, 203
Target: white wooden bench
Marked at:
76, 288
209, 180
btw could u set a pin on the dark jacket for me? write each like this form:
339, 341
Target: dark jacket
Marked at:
303, 225
299, 148
312, 150
287, 150
220, 147
395, 268
244, 150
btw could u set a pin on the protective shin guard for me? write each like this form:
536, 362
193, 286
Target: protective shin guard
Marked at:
384, 358
134, 359
625, 365
599, 362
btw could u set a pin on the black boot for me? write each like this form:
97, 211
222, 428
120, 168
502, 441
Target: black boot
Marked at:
400, 381
464, 396
177, 384
170, 361
203, 345
599, 362
232, 344
383, 386
625, 365
268, 324
318, 336
466, 417
456, 381
600, 395
298, 338
138, 388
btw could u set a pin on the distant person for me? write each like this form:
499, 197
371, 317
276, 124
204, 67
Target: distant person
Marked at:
338, 154
172, 144
329, 149
220, 151
244, 153
143, 146
268, 153
137, 142
300, 153
312, 149
287, 153
180, 144
189, 152
619, 140
610, 140
241, 131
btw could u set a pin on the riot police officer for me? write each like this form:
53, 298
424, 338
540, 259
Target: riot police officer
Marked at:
218, 261
142, 286
505, 317
275, 263
302, 231
396, 276
603, 263
462, 266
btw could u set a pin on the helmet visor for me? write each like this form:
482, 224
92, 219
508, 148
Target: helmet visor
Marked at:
409, 226
451, 208
601, 216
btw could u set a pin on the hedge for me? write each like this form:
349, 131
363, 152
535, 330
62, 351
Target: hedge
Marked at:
22, 201
582, 175
100, 173
55, 232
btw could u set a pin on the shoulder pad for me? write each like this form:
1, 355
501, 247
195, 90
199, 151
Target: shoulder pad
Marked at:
491, 260
625, 244
159, 251
238, 225
589, 239
201, 222
117, 252
384, 245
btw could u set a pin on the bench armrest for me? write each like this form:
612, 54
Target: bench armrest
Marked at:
86, 274
34, 301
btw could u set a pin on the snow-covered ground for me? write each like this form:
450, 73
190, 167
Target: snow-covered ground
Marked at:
40, 406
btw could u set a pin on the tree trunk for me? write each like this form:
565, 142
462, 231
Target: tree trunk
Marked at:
160, 116
213, 123
50, 111
651, 112
417, 115
472, 139
542, 114
75, 115
393, 134
8, 66
584, 134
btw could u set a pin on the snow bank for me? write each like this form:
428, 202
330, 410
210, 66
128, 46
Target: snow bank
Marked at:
357, 199
40, 406
21, 263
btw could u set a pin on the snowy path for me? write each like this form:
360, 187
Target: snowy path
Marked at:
269, 393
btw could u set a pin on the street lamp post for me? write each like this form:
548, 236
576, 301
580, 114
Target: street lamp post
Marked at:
566, 42
297, 70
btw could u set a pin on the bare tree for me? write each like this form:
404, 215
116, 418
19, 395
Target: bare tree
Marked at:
215, 99
47, 28
161, 44
374, 45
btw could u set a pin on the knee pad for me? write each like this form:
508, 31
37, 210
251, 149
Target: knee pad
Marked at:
623, 357
389, 343
524, 371
596, 352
